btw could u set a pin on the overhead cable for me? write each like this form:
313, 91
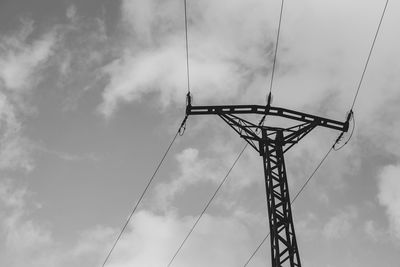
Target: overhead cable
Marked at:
207, 205
351, 112
187, 47
293, 200
213, 196
256, 250
144, 192
369, 55
276, 51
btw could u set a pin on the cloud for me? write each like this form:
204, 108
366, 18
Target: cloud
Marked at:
193, 170
340, 225
389, 196
30, 242
23, 238
90, 157
307, 229
230, 54
222, 60
374, 232
153, 239
81, 51
14, 148
25, 56
150, 240
320, 60
19, 59
207, 166
322, 52
231, 48
12, 198
71, 13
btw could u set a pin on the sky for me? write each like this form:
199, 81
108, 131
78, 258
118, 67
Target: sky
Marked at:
92, 92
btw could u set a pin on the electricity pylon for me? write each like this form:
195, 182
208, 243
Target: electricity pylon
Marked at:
272, 143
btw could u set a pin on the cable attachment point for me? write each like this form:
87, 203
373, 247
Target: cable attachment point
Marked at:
340, 137
269, 99
182, 128
261, 123
350, 116
188, 103
188, 99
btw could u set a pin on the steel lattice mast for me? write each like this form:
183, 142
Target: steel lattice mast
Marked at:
272, 143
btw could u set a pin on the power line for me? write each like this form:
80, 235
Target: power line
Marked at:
369, 55
312, 174
293, 200
350, 115
276, 49
351, 111
213, 196
269, 98
179, 132
144, 192
187, 47
208, 204
255, 251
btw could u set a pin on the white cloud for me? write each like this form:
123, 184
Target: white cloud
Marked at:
230, 56
90, 157
71, 13
153, 239
208, 166
322, 52
14, 149
221, 60
23, 238
139, 15
389, 195
12, 198
93, 240
193, 170
307, 228
320, 59
374, 232
20, 62
340, 225
231, 49
19, 59
150, 239
30, 242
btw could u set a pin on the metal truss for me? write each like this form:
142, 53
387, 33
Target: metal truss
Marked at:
284, 250
271, 143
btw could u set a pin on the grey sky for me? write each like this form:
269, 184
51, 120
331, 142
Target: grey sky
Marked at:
91, 93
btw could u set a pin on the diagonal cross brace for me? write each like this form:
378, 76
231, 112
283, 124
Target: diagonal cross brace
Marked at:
251, 133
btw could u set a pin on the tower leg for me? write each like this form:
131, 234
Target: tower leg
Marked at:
284, 250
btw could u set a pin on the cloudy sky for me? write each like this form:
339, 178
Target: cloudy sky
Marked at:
92, 92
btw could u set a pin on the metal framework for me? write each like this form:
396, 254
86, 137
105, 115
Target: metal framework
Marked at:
271, 143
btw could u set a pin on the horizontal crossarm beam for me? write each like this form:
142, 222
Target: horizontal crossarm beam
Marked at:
267, 110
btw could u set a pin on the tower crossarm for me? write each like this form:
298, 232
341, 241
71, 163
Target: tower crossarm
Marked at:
269, 111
